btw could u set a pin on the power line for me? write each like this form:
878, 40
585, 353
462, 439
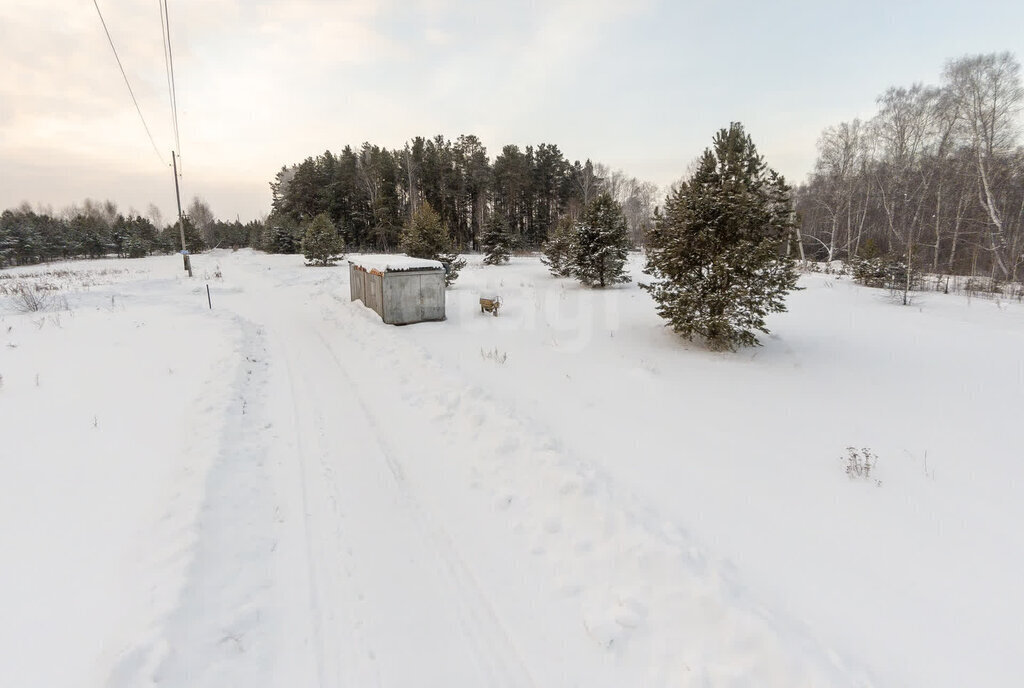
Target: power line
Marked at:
167, 71
166, 24
165, 31
126, 83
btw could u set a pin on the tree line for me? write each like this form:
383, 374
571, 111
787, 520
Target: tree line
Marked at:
934, 180
95, 229
370, 193
718, 253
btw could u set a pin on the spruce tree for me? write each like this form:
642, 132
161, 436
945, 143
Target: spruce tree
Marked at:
321, 243
283, 240
558, 249
7, 224
278, 233
452, 266
193, 237
598, 255
120, 234
497, 240
717, 252
426, 237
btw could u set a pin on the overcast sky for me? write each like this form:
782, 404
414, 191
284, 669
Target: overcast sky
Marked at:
640, 85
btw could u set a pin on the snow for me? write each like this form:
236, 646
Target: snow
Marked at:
393, 263
284, 491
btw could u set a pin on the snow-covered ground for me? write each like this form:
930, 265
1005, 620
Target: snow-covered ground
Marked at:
283, 491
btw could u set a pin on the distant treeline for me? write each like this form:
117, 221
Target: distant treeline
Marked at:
370, 192
935, 179
96, 229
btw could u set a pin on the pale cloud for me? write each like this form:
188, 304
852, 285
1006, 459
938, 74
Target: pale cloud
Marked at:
322, 35
262, 83
437, 37
63, 103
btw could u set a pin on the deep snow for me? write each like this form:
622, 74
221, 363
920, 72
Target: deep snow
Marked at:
285, 491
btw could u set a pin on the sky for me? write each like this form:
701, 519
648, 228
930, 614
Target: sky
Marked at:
639, 85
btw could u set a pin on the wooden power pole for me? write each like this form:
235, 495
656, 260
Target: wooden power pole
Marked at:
181, 220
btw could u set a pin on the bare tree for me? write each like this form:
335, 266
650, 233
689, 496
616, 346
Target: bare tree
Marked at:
154, 215
988, 93
589, 182
840, 153
936, 177
202, 218
638, 207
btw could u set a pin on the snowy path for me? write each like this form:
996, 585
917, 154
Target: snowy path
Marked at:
390, 595
433, 537
350, 504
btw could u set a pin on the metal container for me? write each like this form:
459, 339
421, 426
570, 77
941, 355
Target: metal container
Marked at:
401, 290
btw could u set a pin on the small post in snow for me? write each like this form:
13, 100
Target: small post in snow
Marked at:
208, 297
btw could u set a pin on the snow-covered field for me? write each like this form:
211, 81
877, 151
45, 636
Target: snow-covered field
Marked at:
283, 491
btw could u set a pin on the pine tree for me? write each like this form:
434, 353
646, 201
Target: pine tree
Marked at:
279, 233
452, 266
559, 247
598, 256
193, 238
7, 242
120, 235
20, 241
426, 237
497, 240
717, 252
321, 244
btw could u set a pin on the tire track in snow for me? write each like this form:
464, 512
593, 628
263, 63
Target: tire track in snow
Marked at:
340, 575
479, 617
342, 653
655, 609
328, 674
637, 577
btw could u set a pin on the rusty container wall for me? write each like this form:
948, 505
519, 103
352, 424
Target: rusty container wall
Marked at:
367, 287
373, 292
355, 282
413, 296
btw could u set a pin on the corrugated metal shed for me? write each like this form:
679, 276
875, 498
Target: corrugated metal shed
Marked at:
400, 289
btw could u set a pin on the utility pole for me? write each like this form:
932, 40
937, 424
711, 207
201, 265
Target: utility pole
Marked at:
181, 220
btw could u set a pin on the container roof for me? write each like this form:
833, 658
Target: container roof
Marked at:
394, 263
